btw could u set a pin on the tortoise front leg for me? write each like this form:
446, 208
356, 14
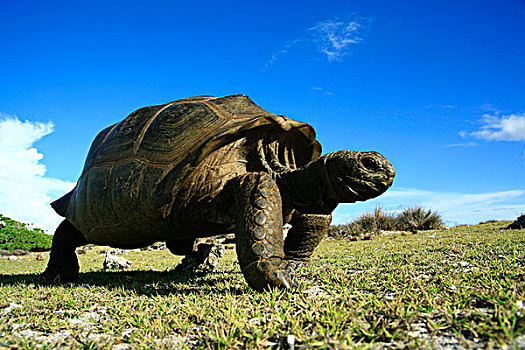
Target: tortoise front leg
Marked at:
258, 230
63, 263
308, 230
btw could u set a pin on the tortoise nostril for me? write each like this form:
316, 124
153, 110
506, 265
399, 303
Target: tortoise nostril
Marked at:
370, 163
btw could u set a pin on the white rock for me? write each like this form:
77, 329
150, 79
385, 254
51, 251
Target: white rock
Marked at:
116, 262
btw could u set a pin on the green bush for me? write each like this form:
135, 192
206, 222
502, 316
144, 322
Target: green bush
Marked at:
411, 219
16, 235
376, 221
345, 231
417, 218
369, 222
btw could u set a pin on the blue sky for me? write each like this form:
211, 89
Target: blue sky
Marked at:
438, 87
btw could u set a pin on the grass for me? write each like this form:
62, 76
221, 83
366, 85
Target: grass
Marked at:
17, 235
462, 287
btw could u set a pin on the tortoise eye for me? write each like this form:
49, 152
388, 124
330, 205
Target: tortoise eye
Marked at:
370, 163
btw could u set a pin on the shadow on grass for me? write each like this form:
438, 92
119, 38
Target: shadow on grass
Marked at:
146, 282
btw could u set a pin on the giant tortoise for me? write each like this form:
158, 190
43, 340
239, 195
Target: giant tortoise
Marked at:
204, 166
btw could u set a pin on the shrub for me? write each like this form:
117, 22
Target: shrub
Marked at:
16, 235
417, 218
345, 231
411, 219
369, 222
376, 221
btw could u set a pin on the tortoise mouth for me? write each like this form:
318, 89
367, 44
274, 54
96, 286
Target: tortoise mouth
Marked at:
358, 190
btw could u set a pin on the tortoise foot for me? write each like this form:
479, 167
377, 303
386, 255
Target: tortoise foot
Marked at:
273, 272
57, 275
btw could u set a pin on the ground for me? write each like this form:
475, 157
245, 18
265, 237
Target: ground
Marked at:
461, 288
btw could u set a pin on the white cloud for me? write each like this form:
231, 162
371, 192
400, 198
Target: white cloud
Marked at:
334, 38
25, 190
275, 57
504, 128
438, 106
467, 144
456, 208
316, 88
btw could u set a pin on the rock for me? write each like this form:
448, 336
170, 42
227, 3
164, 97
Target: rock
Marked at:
4, 252
82, 250
16, 252
157, 246
115, 251
113, 261
518, 224
206, 258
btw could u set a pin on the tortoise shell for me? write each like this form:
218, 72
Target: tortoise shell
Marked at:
136, 170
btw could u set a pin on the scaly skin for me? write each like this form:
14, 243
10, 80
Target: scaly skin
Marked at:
308, 230
258, 230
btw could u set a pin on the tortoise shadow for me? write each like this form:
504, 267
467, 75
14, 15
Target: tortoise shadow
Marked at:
149, 283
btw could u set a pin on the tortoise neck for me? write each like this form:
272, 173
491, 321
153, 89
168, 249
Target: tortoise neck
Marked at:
308, 188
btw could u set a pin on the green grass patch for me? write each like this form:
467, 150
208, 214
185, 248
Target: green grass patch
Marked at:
17, 235
464, 286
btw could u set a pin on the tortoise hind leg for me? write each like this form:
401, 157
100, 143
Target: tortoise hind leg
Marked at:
308, 230
181, 246
63, 263
258, 230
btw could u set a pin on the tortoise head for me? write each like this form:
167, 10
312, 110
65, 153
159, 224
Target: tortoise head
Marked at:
338, 177
357, 176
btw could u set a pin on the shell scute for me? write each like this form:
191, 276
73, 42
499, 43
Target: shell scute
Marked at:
176, 131
98, 197
121, 142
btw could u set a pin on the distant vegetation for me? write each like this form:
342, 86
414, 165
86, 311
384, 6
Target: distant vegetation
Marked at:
16, 235
371, 223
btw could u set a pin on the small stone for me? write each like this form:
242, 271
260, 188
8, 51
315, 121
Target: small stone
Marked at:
265, 193
115, 251
15, 252
260, 218
290, 339
82, 250
12, 258
157, 246
116, 262
206, 258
